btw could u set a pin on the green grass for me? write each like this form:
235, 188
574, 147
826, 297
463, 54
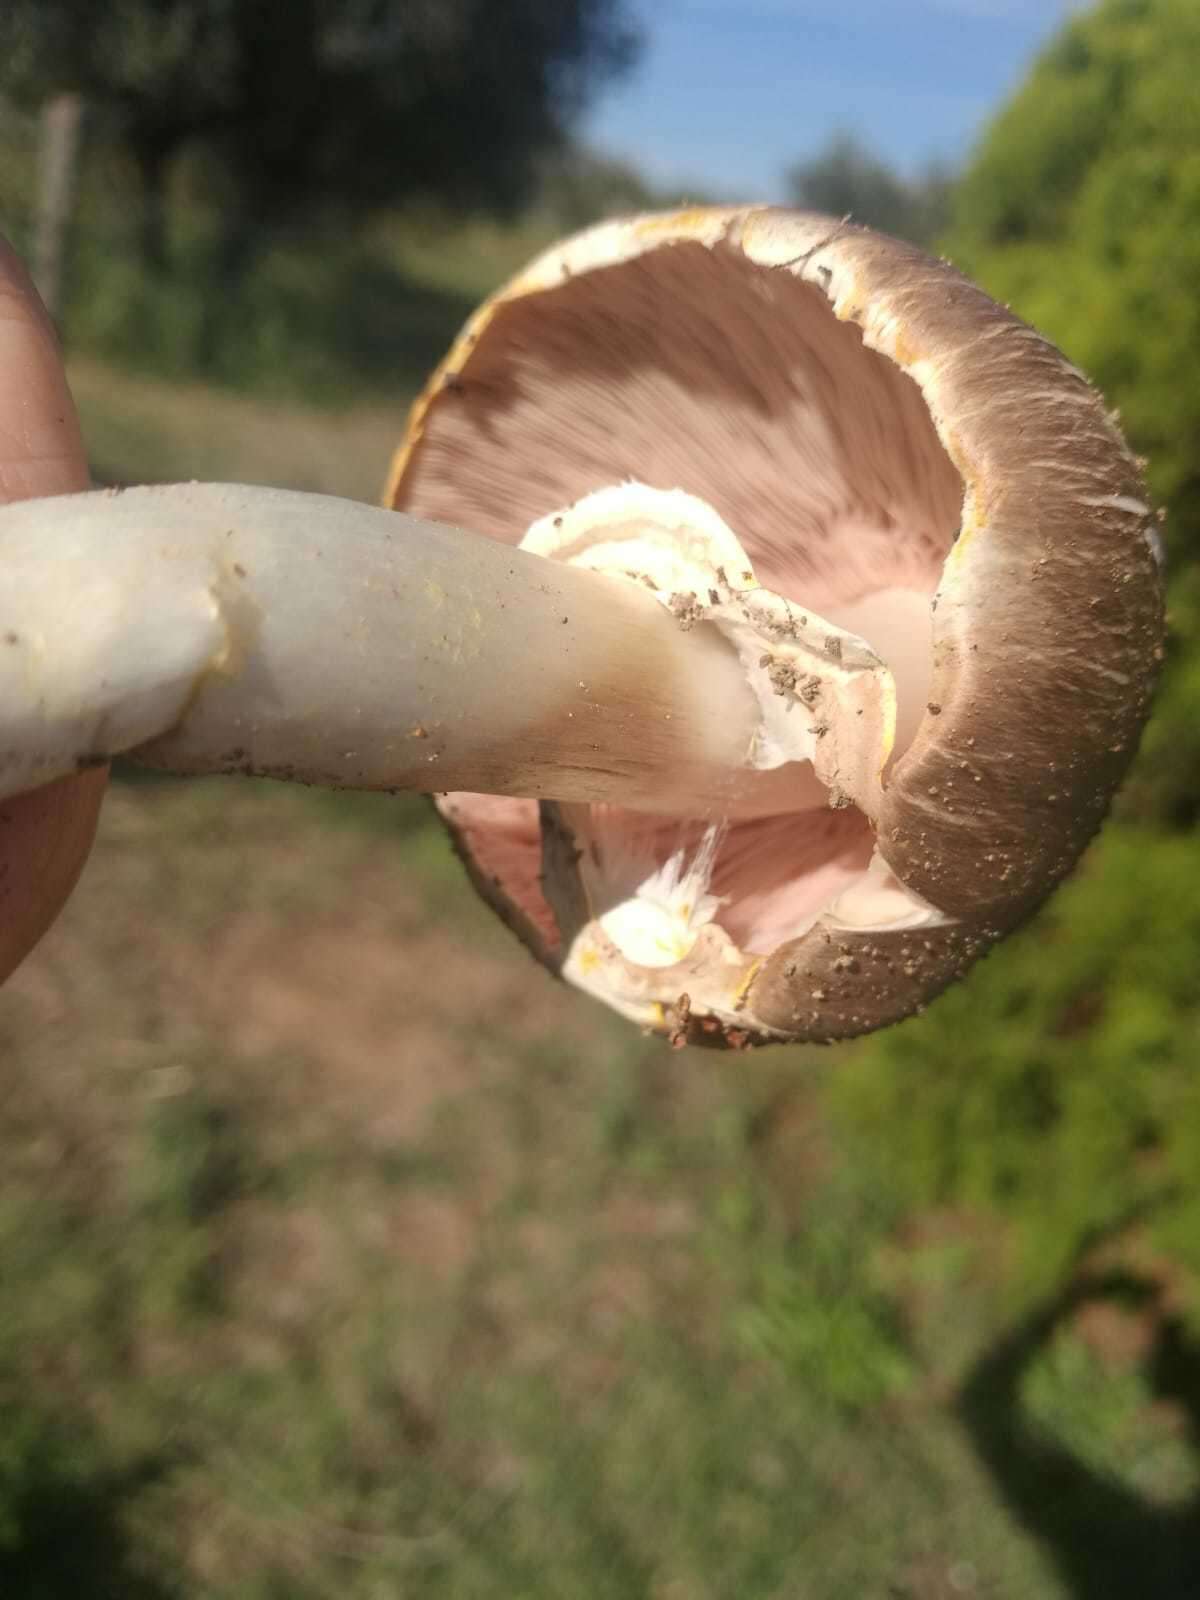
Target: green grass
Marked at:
327, 321
346, 1254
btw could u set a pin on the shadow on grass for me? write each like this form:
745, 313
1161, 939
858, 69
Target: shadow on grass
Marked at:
1105, 1538
62, 1522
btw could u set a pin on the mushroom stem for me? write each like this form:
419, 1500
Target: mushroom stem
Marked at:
221, 628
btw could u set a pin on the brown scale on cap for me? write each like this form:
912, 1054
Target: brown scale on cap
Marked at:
887, 443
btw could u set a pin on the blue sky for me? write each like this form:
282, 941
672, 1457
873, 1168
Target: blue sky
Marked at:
729, 92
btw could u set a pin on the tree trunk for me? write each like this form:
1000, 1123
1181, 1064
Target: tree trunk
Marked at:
60, 140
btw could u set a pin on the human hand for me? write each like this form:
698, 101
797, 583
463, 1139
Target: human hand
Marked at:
45, 835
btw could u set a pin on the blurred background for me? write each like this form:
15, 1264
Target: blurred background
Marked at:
342, 1252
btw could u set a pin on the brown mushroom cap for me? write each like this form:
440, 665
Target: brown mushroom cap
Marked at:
868, 423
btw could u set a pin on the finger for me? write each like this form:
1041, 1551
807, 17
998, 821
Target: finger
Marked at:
45, 836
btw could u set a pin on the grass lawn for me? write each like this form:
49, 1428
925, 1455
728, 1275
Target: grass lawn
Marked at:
346, 1254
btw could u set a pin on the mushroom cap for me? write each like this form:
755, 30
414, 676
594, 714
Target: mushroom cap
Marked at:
868, 422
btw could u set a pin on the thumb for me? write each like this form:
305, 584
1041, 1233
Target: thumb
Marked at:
45, 835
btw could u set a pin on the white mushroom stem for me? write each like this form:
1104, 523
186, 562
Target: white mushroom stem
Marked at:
217, 628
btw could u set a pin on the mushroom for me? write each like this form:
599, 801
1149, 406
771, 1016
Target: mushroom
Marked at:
912, 523
223, 628
811, 613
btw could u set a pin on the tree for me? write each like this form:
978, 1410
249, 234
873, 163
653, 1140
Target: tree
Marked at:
331, 104
578, 186
1084, 205
846, 178
1082, 209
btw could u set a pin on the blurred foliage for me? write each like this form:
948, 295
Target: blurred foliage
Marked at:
846, 178
331, 319
1057, 1087
815, 1313
578, 187
338, 106
1097, 1414
338, 313
329, 316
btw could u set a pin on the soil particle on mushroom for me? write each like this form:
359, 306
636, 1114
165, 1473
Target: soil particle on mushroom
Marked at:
875, 385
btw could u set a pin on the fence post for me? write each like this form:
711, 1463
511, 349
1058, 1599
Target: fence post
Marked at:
60, 138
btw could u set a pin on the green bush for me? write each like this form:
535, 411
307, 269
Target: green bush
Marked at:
1057, 1086
1082, 209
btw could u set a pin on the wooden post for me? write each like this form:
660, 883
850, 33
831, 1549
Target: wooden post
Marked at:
58, 169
